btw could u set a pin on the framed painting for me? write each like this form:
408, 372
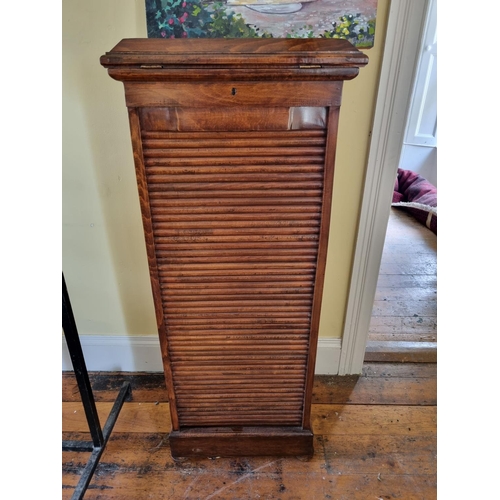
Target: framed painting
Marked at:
353, 20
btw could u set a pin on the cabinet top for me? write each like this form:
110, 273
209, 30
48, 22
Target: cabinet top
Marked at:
136, 58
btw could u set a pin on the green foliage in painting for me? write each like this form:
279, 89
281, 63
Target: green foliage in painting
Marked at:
227, 24
182, 19
304, 32
208, 19
194, 19
351, 27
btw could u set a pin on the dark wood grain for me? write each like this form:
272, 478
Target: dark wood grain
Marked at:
234, 145
245, 441
232, 94
160, 119
155, 60
238, 52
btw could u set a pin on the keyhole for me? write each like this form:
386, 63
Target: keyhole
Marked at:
233, 91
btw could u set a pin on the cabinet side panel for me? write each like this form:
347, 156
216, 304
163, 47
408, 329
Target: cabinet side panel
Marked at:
135, 133
333, 118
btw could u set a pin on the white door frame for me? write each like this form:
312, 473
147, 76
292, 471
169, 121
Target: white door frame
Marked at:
406, 22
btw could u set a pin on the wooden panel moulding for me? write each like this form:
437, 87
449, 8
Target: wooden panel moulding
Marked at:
232, 94
234, 147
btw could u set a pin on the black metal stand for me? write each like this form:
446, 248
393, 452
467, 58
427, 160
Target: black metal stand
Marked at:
99, 436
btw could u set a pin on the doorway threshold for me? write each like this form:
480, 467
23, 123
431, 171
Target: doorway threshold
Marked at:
401, 352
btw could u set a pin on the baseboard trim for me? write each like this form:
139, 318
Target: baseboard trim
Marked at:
247, 441
328, 356
119, 353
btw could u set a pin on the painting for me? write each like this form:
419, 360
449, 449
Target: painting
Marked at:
353, 20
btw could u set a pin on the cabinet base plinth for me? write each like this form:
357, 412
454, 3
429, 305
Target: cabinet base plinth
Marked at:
241, 441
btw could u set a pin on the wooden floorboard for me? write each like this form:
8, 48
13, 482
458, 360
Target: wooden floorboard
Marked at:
403, 325
380, 383
375, 437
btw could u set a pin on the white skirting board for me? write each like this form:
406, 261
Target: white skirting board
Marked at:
142, 354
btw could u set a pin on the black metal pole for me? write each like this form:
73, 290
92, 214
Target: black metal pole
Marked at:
80, 368
99, 436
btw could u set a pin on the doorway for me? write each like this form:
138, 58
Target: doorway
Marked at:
403, 325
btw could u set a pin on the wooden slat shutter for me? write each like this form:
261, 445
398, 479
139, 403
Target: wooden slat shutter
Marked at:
235, 218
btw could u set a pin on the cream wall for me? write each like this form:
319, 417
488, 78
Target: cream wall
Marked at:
104, 257
356, 117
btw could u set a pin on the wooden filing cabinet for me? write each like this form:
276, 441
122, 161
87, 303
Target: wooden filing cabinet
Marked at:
234, 148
